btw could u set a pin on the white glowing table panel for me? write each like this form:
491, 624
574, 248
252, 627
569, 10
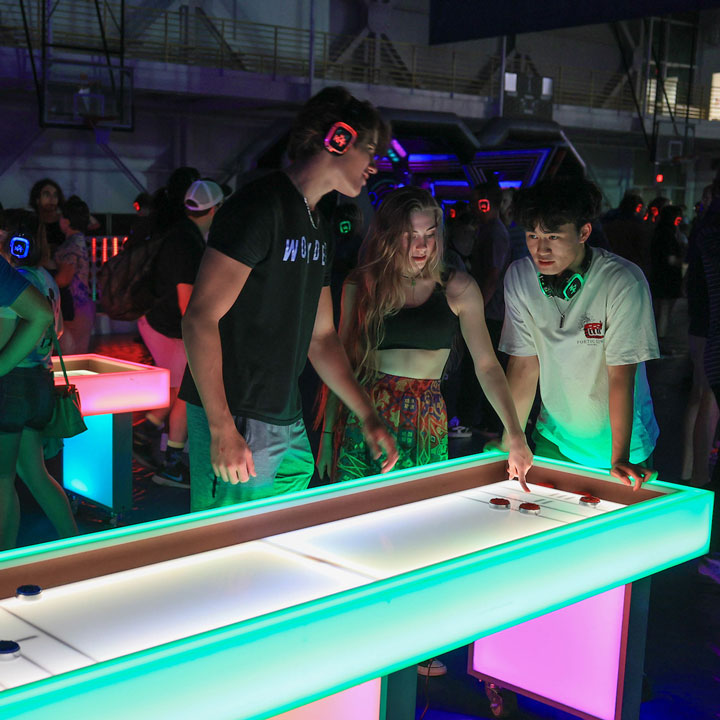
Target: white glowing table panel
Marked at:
399, 540
158, 604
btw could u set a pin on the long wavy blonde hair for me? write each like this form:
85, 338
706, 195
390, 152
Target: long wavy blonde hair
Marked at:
382, 261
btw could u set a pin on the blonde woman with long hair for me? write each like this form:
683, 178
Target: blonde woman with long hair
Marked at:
401, 310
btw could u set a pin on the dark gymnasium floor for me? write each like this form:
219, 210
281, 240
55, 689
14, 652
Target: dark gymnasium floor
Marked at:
683, 641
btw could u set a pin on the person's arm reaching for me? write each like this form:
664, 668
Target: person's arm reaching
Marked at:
330, 361
621, 381
523, 373
219, 281
35, 315
468, 302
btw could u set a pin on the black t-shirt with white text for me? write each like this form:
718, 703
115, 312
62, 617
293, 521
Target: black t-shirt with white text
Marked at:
265, 336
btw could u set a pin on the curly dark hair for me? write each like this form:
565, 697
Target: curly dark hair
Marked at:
322, 111
555, 202
77, 213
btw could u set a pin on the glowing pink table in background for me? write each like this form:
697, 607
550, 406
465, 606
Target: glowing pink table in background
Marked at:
586, 658
97, 464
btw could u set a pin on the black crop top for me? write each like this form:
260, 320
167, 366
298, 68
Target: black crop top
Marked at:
430, 326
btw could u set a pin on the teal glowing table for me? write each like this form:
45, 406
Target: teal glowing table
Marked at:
249, 613
97, 464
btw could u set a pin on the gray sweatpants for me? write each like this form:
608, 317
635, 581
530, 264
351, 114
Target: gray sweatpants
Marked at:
283, 461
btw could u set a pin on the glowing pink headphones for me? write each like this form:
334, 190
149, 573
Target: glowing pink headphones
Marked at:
339, 138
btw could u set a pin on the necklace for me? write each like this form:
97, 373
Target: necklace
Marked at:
411, 278
560, 312
310, 215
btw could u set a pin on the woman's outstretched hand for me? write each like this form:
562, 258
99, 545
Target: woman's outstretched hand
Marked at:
325, 455
520, 457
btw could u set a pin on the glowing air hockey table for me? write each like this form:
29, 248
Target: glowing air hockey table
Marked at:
97, 464
300, 606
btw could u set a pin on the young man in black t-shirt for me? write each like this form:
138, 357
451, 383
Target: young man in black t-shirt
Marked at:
261, 306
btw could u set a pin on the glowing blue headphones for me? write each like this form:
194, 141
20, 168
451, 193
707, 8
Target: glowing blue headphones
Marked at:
19, 246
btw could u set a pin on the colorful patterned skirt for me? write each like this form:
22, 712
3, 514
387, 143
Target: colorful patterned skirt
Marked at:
414, 412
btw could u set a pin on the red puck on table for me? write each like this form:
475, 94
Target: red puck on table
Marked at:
531, 508
590, 500
500, 504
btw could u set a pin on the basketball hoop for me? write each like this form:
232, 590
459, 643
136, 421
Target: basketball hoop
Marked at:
96, 123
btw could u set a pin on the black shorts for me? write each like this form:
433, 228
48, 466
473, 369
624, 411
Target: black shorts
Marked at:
26, 399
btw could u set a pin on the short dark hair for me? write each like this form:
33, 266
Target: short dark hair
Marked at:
77, 213
629, 204
322, 111
16, 221
555, 202
669, 214
37, 189
659, 202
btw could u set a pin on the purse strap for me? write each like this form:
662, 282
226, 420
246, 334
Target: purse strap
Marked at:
56, 345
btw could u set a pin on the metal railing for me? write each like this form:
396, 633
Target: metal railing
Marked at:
193, 38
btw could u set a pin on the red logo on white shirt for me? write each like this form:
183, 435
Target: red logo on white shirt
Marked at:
593, 330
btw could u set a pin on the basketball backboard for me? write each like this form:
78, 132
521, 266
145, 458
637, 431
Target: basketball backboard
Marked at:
83, 94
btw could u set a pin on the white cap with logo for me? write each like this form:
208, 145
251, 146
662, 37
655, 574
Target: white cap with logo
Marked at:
203, 195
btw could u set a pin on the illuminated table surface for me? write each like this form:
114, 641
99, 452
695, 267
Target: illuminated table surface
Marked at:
270, 607
97, 464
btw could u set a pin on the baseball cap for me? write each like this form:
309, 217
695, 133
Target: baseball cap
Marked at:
203, 195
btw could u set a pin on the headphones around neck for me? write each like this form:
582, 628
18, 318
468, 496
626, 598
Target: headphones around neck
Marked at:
19, 246
567, 284
340, 138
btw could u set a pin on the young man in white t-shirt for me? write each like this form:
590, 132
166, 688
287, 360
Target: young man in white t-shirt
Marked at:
580, 322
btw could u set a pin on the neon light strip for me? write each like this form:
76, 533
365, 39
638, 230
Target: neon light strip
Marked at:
399, 149
451, 183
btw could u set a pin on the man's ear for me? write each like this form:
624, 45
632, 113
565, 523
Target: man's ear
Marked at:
585, 232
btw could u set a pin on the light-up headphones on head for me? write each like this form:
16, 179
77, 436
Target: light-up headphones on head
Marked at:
345, 226
483, 205
19, 246
340, 138
567, 284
